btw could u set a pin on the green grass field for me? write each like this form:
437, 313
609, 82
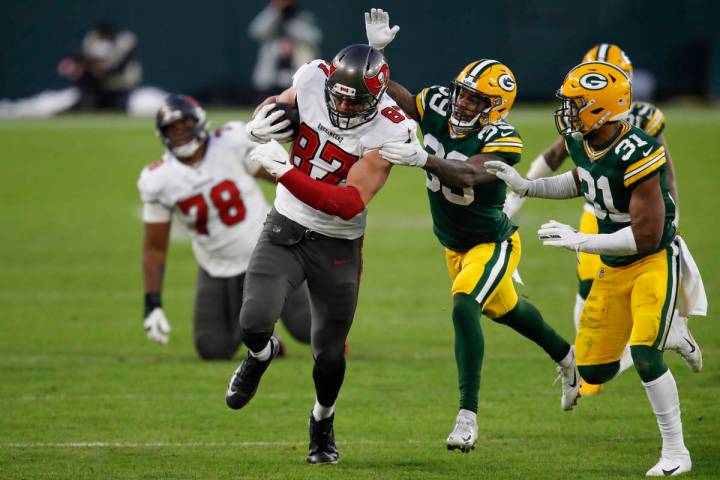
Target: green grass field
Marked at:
85, 395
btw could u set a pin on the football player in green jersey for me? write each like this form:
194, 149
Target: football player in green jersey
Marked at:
622, 172
463, 128
650, 119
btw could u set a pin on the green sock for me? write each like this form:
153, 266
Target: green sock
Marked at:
527, 321
648, 362
469, 348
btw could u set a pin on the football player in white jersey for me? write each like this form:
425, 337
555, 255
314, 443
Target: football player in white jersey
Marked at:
315, 231
208, 182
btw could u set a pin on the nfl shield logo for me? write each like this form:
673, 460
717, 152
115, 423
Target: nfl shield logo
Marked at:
601, 273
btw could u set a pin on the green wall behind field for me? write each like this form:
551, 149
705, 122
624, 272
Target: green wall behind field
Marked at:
195, 46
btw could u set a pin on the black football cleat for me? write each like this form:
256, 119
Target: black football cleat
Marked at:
322, 441
244, 382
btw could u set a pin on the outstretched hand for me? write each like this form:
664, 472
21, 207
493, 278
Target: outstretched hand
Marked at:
377, 28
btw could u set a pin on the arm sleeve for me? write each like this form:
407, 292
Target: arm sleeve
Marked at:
344, 202
620, 243
557, 187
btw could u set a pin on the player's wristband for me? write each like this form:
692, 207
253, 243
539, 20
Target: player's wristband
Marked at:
153, 300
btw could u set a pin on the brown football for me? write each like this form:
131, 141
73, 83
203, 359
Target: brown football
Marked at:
291, 113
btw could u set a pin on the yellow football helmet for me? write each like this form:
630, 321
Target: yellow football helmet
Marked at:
482, 93
592, 94
610, 53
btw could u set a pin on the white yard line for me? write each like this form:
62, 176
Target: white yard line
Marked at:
121, 444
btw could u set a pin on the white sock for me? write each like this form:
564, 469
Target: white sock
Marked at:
577, 311
319, 412
469, 414
626, 360
264, 354
567, 361
663, 395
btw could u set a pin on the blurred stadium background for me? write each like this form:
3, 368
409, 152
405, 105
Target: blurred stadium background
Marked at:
197, 48
85, 395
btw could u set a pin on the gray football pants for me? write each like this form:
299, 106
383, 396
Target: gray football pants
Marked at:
288, 254
216, 325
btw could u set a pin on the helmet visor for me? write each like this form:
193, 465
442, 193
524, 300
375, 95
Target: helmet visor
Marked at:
567, 117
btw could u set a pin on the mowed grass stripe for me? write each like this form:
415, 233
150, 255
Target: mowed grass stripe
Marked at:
76, 367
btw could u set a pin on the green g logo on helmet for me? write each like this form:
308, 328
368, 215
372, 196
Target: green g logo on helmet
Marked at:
506, 82
593, 81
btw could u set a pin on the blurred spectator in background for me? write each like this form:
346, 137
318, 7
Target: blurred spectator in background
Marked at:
105, 70
106, 75
288, 38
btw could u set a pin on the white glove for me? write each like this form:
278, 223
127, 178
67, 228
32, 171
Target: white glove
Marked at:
513, 202
556, 234
273, 157
509, 175
260, 129
157, 326
401, 153
377, 28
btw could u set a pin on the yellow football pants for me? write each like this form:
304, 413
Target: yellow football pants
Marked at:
634, 303
588, 263
485, 272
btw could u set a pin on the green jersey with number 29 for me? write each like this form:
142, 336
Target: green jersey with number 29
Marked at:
609, 176
465, 217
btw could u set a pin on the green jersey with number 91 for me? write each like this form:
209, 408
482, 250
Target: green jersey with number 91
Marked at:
609, 176
465, 217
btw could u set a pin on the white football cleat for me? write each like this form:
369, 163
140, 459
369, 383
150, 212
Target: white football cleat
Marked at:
681, 341
464, 436
570, 377
671, 466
